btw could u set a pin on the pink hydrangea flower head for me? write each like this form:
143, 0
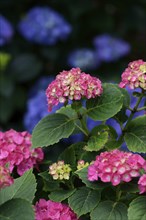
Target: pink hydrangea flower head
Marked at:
49, 210
135, 75
72, 85
15, 150
142, 184
60, 170
5, 178
116, 166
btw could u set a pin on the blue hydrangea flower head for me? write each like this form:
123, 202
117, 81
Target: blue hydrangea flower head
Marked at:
37, 108
110, 48
41, 84
6, 31
44, 26
84, 58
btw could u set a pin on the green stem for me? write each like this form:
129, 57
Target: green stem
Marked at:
84, 131
133, 111
118, 193
84, 126
142, 108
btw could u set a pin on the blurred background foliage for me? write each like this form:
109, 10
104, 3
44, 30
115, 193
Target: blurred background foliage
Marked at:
38, 39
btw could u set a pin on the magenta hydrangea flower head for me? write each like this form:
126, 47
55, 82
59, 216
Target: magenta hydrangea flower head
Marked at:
49, 210
116, 166
142, 184
15, 150
134, 75
72, 85
5, 178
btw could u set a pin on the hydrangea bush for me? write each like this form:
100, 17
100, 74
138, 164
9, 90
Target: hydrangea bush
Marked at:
95, 178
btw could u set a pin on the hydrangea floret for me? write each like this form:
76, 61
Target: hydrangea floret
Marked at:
72, 85
15, 150
60, 171
5, 178
116, 166
134, 75
81, 164
49, 210
142, 184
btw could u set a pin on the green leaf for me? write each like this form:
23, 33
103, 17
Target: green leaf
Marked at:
137, 209
68, 111
51, 129
110, 211
84, 200
135, 136
78, 149
88, 156
68, 156
107, 105
126, 97
49, 183
96, 143
24, 187
60, 195
76, 105
129, 187
71, 113
16, 209
93, 185
99, 128
113, 144
25, 67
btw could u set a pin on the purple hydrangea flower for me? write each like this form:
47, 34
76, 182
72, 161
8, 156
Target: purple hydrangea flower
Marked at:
37, 108
6, 31
84, 58
44, 26
41, 84
37, 103
110, 48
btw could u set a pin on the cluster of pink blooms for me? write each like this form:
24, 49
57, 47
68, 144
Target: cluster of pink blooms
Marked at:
49, 210
81, 164
60, 170
72, 85
5, 178
135, 75
116, 166
15, 151
142, 184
